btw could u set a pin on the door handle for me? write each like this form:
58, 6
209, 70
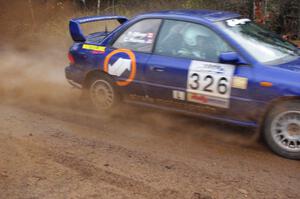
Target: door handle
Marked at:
157, 68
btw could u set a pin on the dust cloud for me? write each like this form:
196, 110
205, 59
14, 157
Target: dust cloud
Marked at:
27, 73
34, 52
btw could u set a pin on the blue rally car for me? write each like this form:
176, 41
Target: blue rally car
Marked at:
208, 63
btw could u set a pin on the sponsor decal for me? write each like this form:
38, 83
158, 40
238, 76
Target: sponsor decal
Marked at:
234, 22
95, 52
121, 65
194, 97
150, 35
239, 82
207, 100
210, 80
94, 48
180, 95
139, 37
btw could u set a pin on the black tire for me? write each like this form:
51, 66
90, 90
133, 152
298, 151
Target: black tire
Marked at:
110, 98
279, 133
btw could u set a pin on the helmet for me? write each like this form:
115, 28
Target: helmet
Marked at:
192, 34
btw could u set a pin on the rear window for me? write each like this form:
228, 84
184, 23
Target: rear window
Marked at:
140, 36
97, 31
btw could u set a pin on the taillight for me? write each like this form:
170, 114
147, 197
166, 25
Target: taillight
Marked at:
71, 58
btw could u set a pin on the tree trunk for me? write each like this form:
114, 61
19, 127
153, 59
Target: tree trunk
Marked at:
32, 15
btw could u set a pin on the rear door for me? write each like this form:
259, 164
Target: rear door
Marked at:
128, 54
185, 72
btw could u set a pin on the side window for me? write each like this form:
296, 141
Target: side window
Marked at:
190, 40
140, 36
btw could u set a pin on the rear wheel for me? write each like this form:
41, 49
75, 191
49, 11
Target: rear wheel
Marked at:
103, 93
282, 130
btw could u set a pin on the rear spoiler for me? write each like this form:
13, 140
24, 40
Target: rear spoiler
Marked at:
75, 29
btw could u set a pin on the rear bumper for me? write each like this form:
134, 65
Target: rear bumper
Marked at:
74, 84
74, 76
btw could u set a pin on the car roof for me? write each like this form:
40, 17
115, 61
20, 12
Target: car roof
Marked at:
208, 15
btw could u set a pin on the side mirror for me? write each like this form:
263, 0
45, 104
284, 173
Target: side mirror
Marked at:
231, 58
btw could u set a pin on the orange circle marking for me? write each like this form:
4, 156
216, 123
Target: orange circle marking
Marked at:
133, 65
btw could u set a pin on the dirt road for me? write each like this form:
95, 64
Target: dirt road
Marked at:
50, 151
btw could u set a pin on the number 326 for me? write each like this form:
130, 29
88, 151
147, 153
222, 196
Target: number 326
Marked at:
209, 83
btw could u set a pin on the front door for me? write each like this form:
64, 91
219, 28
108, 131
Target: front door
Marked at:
128, 54
185, 72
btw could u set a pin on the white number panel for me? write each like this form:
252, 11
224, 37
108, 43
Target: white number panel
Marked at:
210, 83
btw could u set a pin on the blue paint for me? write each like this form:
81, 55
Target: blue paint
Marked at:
157, 76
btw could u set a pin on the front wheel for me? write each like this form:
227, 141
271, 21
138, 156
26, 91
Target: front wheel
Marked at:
103, 94
282, 130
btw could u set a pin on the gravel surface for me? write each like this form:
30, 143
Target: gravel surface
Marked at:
52, 151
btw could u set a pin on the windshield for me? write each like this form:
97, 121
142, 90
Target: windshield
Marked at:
263, 45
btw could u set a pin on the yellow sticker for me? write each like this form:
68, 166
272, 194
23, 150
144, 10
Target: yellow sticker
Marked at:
93, 47
240, 82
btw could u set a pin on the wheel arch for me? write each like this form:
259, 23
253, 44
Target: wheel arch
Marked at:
271, 106
91, 74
